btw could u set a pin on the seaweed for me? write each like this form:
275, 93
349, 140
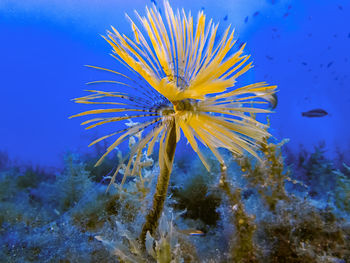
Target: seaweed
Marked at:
267, 177
197, 198
302, 233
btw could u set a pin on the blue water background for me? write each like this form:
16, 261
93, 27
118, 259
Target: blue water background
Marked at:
303, 46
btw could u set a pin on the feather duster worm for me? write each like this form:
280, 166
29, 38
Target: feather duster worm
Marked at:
182, 79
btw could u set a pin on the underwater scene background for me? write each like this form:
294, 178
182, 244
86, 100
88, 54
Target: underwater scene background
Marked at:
291, 203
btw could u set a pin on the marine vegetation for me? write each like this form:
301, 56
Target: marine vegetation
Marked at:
182, 79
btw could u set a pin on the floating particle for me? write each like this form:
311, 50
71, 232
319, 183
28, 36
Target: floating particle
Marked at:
269, 57
304, 63
340, 7
286, 15
246, 19
275, 29
226, 17
202, 8
256, 13
335, 35
329, 64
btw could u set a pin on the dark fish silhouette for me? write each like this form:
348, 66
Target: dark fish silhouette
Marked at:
314, 113
246, 20
329, 64
256, 13
225, 18
240, 45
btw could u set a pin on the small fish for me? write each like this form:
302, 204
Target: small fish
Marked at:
192, 232
314, 113
329, 64
274, 29
286, 15
304, 63
269, 57
289, 7
340, 7
246, 20
225, 18
256, 13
